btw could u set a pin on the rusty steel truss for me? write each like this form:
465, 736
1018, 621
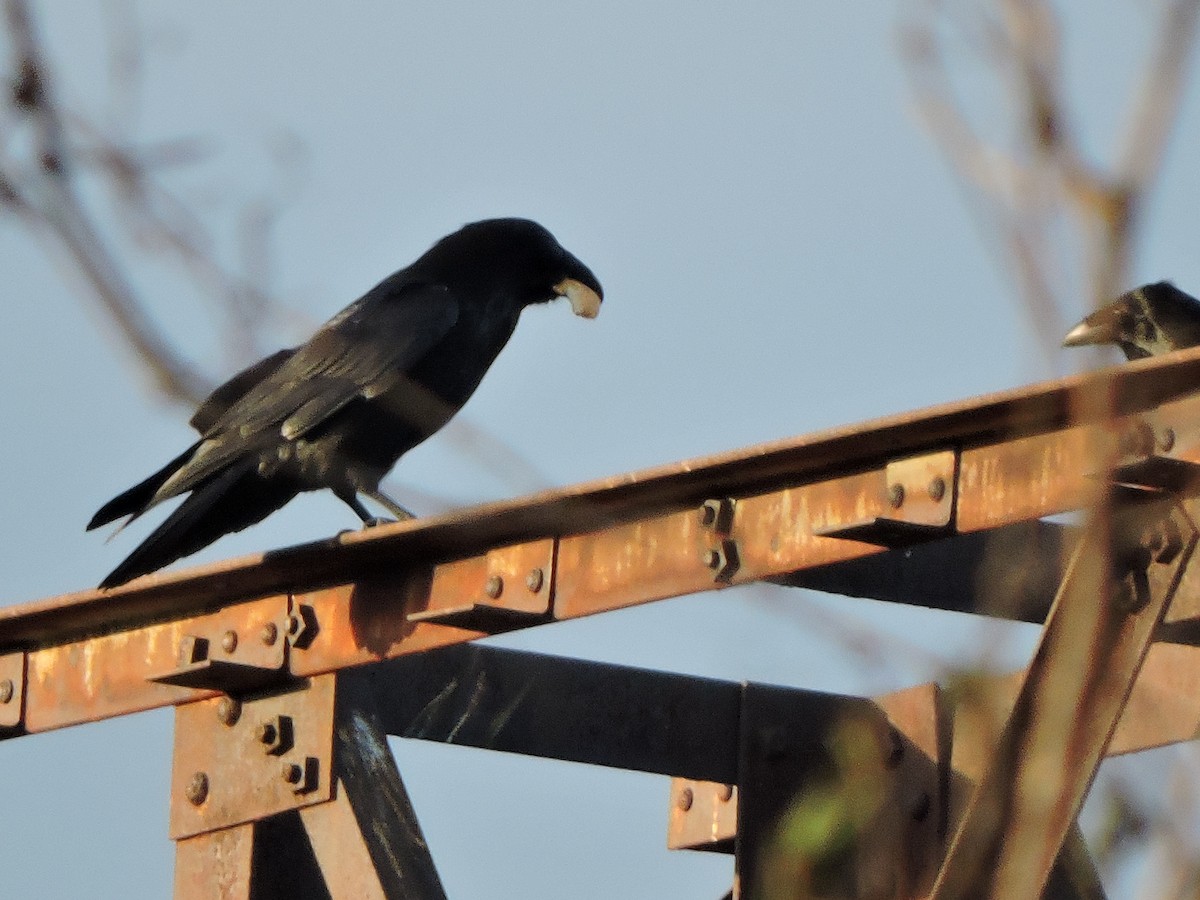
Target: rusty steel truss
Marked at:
288, 670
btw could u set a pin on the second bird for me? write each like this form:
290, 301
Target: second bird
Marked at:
372, 383
1150, 320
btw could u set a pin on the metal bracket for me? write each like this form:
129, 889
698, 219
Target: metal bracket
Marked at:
12, 690
719, 551
499, 592
239, 762
703, 816
917, 503
225, 659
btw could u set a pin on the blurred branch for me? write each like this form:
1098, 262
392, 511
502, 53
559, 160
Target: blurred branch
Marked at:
1058, 216
48, 197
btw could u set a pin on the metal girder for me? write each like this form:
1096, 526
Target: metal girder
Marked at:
1116, 592
793, 506
562, 708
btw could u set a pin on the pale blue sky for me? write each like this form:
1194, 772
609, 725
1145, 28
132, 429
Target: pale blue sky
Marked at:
782, 250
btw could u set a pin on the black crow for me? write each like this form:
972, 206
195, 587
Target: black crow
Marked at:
372, 383
1148, 321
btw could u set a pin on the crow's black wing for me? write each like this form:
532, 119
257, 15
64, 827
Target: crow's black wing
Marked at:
356, 354
216, 404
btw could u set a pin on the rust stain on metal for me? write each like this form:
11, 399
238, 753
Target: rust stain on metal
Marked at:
105, 676
498, 579
245, 779
1027, 478
367, 622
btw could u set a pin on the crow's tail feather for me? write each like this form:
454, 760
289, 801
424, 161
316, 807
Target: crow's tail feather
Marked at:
233, 499
135, 500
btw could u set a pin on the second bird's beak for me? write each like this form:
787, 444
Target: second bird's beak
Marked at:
1098, 328
584, 301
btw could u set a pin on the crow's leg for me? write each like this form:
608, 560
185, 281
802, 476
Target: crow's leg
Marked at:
350, 498
389, 504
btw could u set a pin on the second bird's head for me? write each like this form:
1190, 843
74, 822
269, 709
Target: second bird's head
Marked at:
1148, 321
515, 261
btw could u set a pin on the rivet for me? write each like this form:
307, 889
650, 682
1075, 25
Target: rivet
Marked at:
229, 641
725, 794
534, 580
1166, 440
896, 496
196, 790
7, 690
270, 634
291, 773
937, 488
685, 799
228, 710
494, 587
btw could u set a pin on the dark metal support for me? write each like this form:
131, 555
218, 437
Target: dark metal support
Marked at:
367, 839
562, 708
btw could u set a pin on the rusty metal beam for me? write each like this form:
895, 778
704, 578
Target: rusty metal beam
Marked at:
1041, 413
775, 510
216, 864
1117, 590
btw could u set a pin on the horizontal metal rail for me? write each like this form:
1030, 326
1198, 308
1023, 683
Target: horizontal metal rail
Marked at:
768, 512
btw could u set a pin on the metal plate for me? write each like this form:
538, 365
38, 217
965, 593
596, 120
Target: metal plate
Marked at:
242, 777
110, 675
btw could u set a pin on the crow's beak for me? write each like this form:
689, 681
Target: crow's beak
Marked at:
584, 301
1088, 333
1101, 327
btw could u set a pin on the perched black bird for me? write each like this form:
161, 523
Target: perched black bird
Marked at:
1148, 321
372, 383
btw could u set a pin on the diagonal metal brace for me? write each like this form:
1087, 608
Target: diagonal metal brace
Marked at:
1116, 590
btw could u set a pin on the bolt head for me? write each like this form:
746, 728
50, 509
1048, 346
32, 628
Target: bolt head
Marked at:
937, 488
725, 794
196, 790
293, 624
534, 580
712, 559
267, 733
7, 690
685, 799
228, 711
292, 773
494, 587
229, 641
269, 634
896, 496
1166, 440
